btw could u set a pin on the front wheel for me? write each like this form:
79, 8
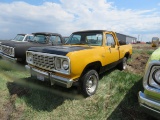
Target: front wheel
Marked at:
89, 83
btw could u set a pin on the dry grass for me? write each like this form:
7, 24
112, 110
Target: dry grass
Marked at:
116, 97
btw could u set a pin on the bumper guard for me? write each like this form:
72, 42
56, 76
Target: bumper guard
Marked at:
7, 57
54, 79
150, 105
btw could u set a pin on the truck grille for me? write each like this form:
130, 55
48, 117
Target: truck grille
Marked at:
44, 61
6, 49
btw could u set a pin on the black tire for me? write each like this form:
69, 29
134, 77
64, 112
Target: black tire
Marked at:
123, 64
89, 83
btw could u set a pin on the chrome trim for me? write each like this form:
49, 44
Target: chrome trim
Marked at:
7, 57
41, 72
27, 67
61, 80
8, 47
147, 77
149, 103
30, 69
19, 41
54, 79
67, 72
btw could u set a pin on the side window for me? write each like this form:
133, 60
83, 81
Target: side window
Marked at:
109, 40
55, 39
94, 39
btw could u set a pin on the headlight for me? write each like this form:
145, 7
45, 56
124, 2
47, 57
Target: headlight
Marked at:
153, 75
29, 58
156, 76
62, 65
65, 64
12, 52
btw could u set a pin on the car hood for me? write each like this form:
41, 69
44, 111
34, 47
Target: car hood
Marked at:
155, 55
58, 50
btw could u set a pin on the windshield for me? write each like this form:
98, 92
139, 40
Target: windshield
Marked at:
19, 38
40, 38
93, 39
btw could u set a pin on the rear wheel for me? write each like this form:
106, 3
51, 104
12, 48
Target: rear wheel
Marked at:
123, 64
89, 82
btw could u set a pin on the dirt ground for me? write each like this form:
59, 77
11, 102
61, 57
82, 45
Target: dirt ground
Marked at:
138, 60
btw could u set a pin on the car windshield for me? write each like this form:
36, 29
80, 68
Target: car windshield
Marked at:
40, 39
91, 39
19, 38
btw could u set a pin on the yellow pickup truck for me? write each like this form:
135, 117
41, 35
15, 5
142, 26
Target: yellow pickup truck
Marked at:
155, 42
85, 55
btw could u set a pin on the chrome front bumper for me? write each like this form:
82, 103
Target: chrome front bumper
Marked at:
7, 57
151, 106
54, 79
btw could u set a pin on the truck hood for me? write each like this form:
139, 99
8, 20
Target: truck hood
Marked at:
4, 41
58, 50
22, 44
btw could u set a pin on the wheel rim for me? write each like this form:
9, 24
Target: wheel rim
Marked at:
124, 64
91, 84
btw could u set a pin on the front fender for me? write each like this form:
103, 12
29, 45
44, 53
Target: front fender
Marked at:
80, 59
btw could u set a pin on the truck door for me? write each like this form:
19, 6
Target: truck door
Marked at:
112, 50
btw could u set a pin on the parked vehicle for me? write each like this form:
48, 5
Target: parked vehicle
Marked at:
85, 55
65, 39
149, 99
155, 42
23, 37
17, 50
18, 38
148, 42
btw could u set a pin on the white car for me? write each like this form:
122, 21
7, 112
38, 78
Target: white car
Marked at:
23, 37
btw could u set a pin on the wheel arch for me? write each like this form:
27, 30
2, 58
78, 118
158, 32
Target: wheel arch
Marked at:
94, 65
127, 55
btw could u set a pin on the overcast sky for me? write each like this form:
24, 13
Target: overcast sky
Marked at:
132, 17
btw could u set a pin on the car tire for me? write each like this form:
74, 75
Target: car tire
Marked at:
89, 83
123, 64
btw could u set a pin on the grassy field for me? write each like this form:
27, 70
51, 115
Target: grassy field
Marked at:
23, 98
